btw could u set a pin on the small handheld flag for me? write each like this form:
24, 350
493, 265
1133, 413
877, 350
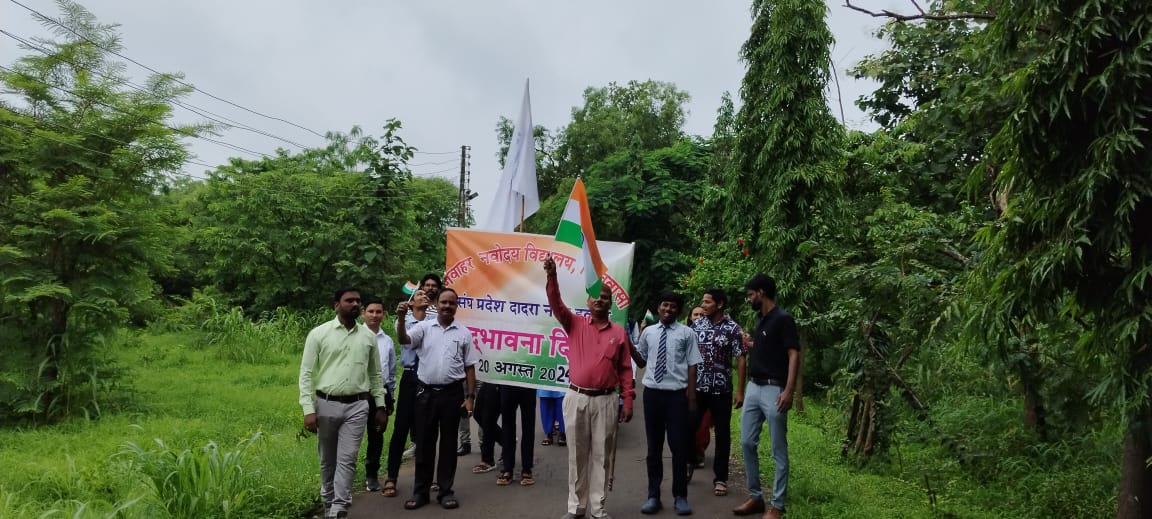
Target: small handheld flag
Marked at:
649, 318
410, 288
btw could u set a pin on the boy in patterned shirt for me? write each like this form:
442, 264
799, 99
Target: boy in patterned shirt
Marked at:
720, 340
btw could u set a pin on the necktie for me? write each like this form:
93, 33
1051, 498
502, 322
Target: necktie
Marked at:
661, 356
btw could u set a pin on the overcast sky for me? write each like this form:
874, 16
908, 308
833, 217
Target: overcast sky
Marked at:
448, 70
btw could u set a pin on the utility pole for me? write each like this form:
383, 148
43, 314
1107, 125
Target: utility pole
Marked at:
462, 217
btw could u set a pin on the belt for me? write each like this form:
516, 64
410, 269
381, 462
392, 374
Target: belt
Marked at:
413, 368
344, 399
768, 382
441, 387
592, 392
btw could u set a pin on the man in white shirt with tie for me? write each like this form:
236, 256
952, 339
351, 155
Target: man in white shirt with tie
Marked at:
671, 353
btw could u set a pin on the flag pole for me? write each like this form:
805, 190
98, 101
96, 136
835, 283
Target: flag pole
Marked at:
612, 460
522, 202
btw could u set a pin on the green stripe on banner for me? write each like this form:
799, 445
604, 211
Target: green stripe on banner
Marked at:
569, 232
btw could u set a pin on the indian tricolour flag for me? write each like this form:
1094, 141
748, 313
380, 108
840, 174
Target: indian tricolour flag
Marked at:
410, 288
576, 230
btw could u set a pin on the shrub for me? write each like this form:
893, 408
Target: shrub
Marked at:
237, 336
203, 483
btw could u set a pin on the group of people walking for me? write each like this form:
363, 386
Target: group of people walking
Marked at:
347, 378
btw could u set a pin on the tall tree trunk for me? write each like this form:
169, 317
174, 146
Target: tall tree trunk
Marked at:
870, 439
1034, 416
865, 425
1135, 501
1030, 383
853, 423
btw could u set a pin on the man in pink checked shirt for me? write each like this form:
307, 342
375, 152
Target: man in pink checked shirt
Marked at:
598, 362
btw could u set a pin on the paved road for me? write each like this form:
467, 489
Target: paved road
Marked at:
480, 497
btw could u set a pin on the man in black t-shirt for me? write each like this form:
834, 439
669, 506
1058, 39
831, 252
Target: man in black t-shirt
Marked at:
773, 367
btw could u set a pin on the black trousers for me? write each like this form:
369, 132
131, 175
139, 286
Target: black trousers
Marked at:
488, 416
721, 408
402, 425
666, 413
375, 439
437, 418
513, 398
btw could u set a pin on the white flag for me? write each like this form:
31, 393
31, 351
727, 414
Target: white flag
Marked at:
516, 196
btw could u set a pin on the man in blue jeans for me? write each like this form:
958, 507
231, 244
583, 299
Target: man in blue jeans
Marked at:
773, 368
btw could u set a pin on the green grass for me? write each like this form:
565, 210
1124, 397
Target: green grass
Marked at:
187, 396
1064, 480
823, 485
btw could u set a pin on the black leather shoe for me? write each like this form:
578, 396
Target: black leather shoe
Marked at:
464, 449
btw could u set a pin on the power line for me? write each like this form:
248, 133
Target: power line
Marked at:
190, 107
450, 161
85, 148
187, 106
61, 128
154, 71
30, 132
423, 174
125, 112
433, 173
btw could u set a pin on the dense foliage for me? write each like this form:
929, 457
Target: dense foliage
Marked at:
971, 276
98, 225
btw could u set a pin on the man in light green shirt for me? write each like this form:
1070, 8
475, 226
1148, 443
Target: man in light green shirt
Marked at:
339, 372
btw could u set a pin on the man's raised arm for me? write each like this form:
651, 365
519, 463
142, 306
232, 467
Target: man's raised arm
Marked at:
402, 332
559, 309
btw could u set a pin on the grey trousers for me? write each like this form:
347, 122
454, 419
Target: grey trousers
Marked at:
340, 427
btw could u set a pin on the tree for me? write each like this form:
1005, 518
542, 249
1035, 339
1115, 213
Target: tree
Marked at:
644, 189
724, 165
893, 282
283, 231
433, 207
651, 198
80, 236
650, 113
789, 152
789, 146
1073, 242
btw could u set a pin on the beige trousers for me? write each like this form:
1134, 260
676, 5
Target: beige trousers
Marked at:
591, 424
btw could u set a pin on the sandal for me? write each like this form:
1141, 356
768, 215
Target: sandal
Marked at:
449, 503
389, 489
483, 467
504, 479
547, 440
563, 441
435, 487
526, 479
721, 489
415, 502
